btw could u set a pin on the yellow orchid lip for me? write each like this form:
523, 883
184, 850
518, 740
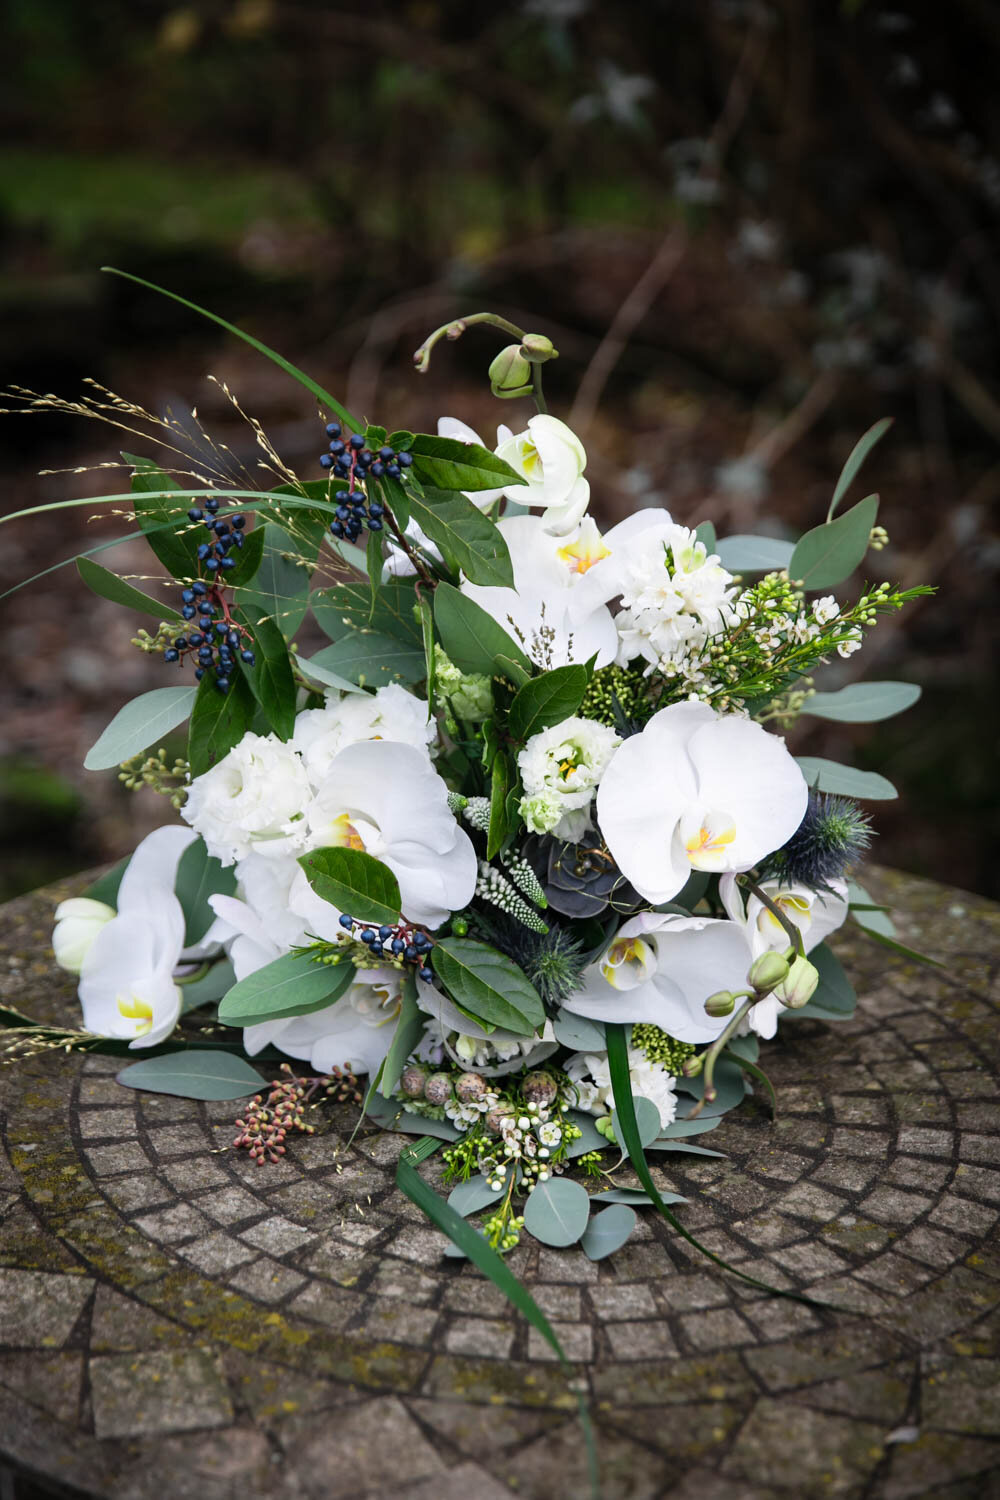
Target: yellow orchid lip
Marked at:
133, 1008
344, 835
706, 848
580, 556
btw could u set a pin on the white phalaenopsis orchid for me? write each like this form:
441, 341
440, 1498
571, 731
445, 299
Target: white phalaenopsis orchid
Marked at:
552, 460
388, 800
553, 620
355, 1032
697, 790
661, 968
127, 986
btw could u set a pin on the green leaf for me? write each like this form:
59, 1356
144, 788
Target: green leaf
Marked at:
647, 1119
469, 1197
143, 722
754, 554
449, 464
409, 1029
105, 887
430, 660
200, 875
354, 882
590, 1138
218, 722
556, 1211
877, 919
845, 781
502, 778
751, 1067
705, 533
367, 657
248, 560
608, 1231
683, 1145
348, 606
397, 499
863, 702
633, 1196
208, 988
108, 585
293, 985
730, 1088
280, 587
680, 1129
316, 671
322, 396
855, 459
196, 1074
373, 561
488, 985
902, 951
465, 536
579, 1033
828, 554
471, 638
547, 700
270, 677
512, 670
164, 521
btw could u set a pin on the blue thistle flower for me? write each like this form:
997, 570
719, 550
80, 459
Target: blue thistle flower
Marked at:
832, 836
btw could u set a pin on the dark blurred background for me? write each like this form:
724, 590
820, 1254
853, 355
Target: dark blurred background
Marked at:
751, 229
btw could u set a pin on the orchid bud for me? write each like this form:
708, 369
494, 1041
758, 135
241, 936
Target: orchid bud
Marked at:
722, 1003
766, 971
537, 349
510, 374
78, 921
800, 985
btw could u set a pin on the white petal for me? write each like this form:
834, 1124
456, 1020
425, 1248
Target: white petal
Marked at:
749, 773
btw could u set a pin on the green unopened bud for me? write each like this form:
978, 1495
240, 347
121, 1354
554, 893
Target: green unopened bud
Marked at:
604, 1127
694, 1065
459, 926
722, 1003
510, 374
766, 971
537, 349
800, 985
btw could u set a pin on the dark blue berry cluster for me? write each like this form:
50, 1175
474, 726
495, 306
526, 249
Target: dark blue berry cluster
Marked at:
402, 941
352, 461
218, 639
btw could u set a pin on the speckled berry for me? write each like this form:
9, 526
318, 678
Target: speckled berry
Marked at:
412, 1080
539, 1088
437, 1088
470, 1087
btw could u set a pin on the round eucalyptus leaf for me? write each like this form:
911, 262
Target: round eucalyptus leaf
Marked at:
647, 1118
608, 1231
556, 1212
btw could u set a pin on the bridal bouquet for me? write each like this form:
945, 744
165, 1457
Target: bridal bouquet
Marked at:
519, 861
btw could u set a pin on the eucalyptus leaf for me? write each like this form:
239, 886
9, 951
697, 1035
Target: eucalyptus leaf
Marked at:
317, 671
608, 1231
547, 700
590, 1138
208, 988
292, 985
684, 1145
829, 553
647, 1119
556, 1211
200, 875
195, 1074
371, 659
872, 921
705, 533
469, 1197
754, 554
354, 882
488, 985
845, 781
863, 702
471, 638
108, 585
578, 1032
143, 722
855, 459
679, 1129
634, 1196
390, 1115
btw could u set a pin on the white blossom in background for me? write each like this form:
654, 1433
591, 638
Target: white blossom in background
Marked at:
388, 800
697, 790
591, 1074
560, 770
250, 802
389, 714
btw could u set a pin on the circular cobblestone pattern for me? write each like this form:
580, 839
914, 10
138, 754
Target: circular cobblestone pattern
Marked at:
177, 1321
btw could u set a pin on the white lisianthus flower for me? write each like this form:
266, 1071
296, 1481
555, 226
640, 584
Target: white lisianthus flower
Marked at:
815, 913
389, 714
388, 800
355, 1032
552, 460
649, 1080
697, 790
552, 617
661, 968
78, 921
127, 987
251, 801
560, 771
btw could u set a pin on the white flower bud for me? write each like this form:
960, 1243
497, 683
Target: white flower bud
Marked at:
78, 921
800, 986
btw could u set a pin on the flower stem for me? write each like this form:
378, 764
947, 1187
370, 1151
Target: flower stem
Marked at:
712, 1054
455, 329
791, 931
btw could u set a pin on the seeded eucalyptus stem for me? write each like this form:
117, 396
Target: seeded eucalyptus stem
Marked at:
454, 330
711, 1056
791, 931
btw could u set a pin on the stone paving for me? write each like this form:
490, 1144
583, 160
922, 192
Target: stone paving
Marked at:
175, 1321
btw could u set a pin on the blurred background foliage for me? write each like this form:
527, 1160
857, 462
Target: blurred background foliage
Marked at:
751, 229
